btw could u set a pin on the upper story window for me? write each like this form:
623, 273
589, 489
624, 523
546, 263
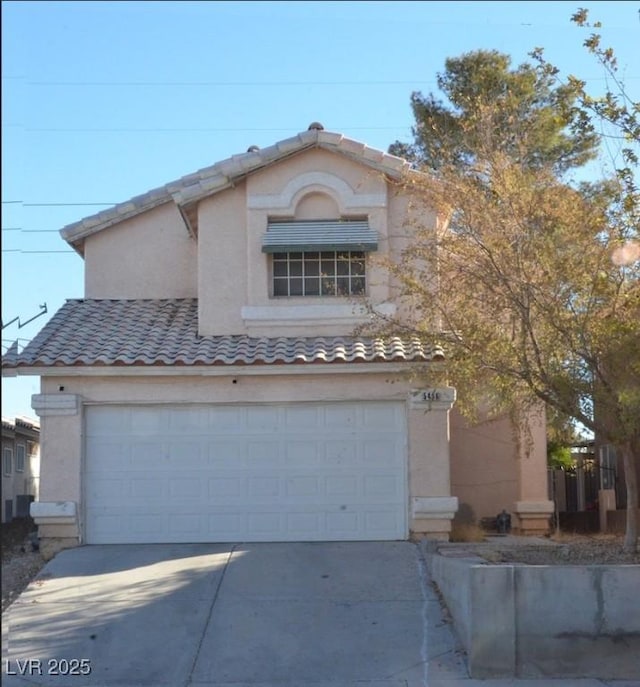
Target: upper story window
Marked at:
20, 453
319, 257
323, 273
7, 462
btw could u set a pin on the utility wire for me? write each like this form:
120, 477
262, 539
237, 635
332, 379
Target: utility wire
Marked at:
20, 250
244, 84
174, 130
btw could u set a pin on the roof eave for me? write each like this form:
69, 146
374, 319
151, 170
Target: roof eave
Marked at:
254, 369
193, 188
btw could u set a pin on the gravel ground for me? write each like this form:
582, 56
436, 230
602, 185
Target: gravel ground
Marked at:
562, 550
20, 564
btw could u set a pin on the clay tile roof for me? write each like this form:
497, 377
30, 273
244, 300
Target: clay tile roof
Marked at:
209, 180
165, 332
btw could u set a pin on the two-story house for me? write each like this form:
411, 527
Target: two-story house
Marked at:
210, 387
20, 466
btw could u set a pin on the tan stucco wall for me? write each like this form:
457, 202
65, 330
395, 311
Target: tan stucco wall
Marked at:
492, 470
427, 449
484, 473
61, 454
222, 262
153, 255
149, 256
235, 273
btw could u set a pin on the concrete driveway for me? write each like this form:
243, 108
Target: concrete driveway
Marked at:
339, 614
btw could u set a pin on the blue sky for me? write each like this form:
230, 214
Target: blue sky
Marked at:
102, 101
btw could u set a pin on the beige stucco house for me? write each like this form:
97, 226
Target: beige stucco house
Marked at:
20, 466
209, 387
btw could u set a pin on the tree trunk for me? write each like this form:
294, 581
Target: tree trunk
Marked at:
631, 478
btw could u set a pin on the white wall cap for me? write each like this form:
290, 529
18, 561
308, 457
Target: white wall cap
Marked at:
295, 313
54, 513
434, 506
543, 507
55, 404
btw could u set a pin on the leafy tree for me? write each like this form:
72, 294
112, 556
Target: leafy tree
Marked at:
559, 455
521, 112
537, 282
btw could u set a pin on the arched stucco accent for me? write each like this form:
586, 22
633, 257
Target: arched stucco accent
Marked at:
315, 205
316, 182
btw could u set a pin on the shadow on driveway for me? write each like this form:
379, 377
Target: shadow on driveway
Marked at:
217, 614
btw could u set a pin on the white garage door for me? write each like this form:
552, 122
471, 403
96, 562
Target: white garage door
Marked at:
305, 472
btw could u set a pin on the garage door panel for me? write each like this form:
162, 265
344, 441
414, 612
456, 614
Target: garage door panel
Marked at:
225, 454
264, 487
343, 452
263, 452
227, 420
147, 422
226, 488
382, 487
309, 472
147, 455
189, 419
341, 486
142, 488
340, 416
110, 455
381, 452
379, 417
227, 526
303, 418
185, 524
111, 421
263, 419
303, 453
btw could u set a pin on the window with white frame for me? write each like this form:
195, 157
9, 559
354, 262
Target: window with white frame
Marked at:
319, 273
20, 455
7, 462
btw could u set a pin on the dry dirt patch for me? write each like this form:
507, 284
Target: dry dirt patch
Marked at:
20, 563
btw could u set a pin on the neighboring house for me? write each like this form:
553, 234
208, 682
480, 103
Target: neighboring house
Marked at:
20, 466
209, 387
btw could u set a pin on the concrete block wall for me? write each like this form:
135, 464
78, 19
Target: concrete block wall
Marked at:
543, 621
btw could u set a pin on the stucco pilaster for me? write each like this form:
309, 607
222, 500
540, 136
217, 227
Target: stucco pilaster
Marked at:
58, 508
432, 506
533, 507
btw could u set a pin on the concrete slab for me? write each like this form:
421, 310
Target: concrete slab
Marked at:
302, 642
264, 615
95, 574
353, 571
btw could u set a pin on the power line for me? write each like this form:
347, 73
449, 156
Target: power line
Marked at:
174, 130
244, 84
50, 205
200, 84
20, 250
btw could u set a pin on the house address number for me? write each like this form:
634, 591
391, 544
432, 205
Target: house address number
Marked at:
444, 395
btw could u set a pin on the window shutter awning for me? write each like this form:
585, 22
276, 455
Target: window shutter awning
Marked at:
286, 237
